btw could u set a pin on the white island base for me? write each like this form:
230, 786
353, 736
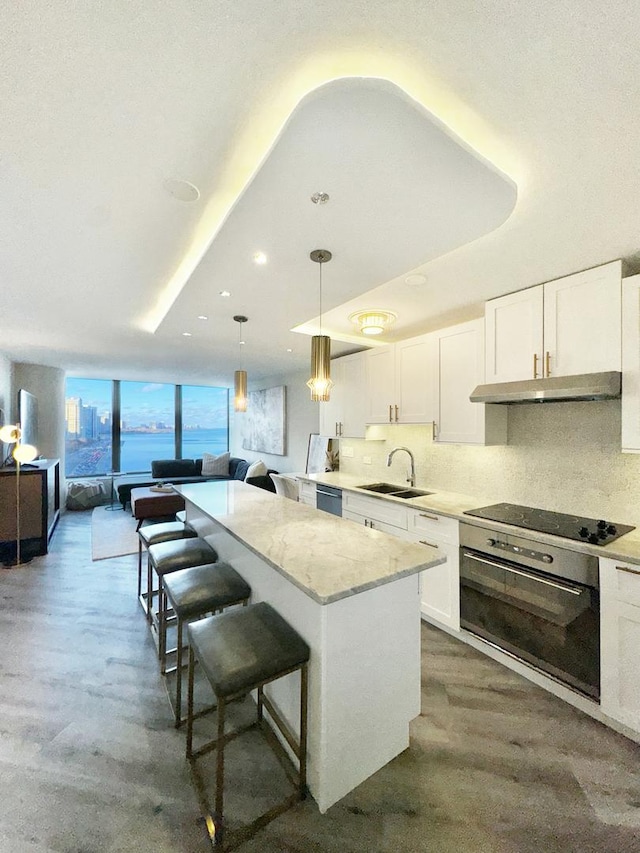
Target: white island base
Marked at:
364, 669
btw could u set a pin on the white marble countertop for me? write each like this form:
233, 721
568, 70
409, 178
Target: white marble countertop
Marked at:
454, 505
327, 557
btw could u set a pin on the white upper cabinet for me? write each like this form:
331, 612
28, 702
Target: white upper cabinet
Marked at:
381, 385
399, 382
513, 328
582, 322
631, 364
345, 412
458, 369
561, 328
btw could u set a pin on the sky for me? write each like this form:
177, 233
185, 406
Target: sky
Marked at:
145, 402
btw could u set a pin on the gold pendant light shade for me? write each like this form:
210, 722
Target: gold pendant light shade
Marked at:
320, 383
240, 391
240, 376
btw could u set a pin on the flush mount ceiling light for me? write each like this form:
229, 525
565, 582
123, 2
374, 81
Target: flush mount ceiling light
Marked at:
373, 322
202, 317
240, 376
260, 258
224, 293
320, 383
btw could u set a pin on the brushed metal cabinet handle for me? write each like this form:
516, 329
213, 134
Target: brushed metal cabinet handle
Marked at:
627, 571
396, 408
535, 365
430, 517
430, 544
390, 415
548, 362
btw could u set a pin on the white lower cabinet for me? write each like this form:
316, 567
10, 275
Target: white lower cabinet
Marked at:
440, 585
620, 642
377, 513
307, 493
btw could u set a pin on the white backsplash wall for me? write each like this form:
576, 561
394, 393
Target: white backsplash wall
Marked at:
562, 456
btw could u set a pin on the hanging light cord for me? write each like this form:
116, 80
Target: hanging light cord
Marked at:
320, 265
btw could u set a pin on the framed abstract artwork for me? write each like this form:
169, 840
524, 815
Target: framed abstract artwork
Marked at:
265, 421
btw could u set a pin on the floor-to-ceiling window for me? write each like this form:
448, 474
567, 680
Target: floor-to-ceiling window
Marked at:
205, 420
123, 426
147, 424
88, 427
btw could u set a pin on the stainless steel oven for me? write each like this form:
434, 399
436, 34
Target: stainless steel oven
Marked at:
537, 602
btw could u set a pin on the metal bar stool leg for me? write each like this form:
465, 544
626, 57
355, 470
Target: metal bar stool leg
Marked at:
220, 773
192, 661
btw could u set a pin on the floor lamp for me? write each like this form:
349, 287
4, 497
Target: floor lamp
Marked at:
12, 434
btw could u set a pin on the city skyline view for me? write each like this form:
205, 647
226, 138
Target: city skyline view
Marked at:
146, 430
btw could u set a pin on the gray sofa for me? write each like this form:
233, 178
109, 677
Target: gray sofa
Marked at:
190, 471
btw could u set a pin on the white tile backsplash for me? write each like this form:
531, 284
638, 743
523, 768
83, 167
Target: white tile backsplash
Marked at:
560, 456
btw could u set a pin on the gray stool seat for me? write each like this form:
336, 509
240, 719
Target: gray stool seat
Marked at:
166, 558
182, 515
240, 651
196, 592
202, 589
151, 534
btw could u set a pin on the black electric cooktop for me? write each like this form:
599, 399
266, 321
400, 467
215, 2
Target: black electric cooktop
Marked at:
594, 531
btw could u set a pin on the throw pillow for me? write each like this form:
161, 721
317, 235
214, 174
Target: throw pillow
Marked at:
215, 466
256, 469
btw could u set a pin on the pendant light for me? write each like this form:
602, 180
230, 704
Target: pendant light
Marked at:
240, 376
320, 383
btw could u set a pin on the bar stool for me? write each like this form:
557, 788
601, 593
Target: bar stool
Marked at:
240, 651
166, 557
152, 534
194, 593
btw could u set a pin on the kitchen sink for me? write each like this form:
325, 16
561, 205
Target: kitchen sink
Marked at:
382, 488
394, 491
410, 493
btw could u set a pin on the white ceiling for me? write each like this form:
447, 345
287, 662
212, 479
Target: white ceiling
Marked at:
438, 116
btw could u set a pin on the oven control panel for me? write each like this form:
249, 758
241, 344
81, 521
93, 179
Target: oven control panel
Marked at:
518, 550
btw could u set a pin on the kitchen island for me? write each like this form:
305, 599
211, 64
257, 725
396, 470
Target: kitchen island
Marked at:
353, 594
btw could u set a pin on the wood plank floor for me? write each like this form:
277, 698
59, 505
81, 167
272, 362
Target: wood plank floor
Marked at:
90, 762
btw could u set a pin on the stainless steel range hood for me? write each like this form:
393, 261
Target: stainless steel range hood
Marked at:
555, 389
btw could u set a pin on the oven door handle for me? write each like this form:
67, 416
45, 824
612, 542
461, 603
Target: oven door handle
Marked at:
564, 587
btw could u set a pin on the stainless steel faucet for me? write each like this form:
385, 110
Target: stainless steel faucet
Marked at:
412, 478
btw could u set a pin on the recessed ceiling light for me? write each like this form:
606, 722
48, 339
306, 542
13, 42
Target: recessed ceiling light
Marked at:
202, 317
186, 334
415, 279
289, 349
225, 293
260, 258
182, 190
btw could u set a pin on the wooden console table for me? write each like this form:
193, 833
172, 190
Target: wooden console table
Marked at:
39, 508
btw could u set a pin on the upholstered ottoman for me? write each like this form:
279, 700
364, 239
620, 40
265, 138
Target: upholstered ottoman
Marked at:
148, 503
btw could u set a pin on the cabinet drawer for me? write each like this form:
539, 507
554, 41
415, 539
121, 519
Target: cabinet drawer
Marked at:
376, 509
307, 493
430, 525
626, 582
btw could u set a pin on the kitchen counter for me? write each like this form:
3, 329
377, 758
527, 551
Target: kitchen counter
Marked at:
454, 505
353, 594
320, 554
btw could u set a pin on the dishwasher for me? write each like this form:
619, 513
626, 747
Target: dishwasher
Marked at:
329, 499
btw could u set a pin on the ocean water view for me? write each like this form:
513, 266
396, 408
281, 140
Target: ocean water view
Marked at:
139, 449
